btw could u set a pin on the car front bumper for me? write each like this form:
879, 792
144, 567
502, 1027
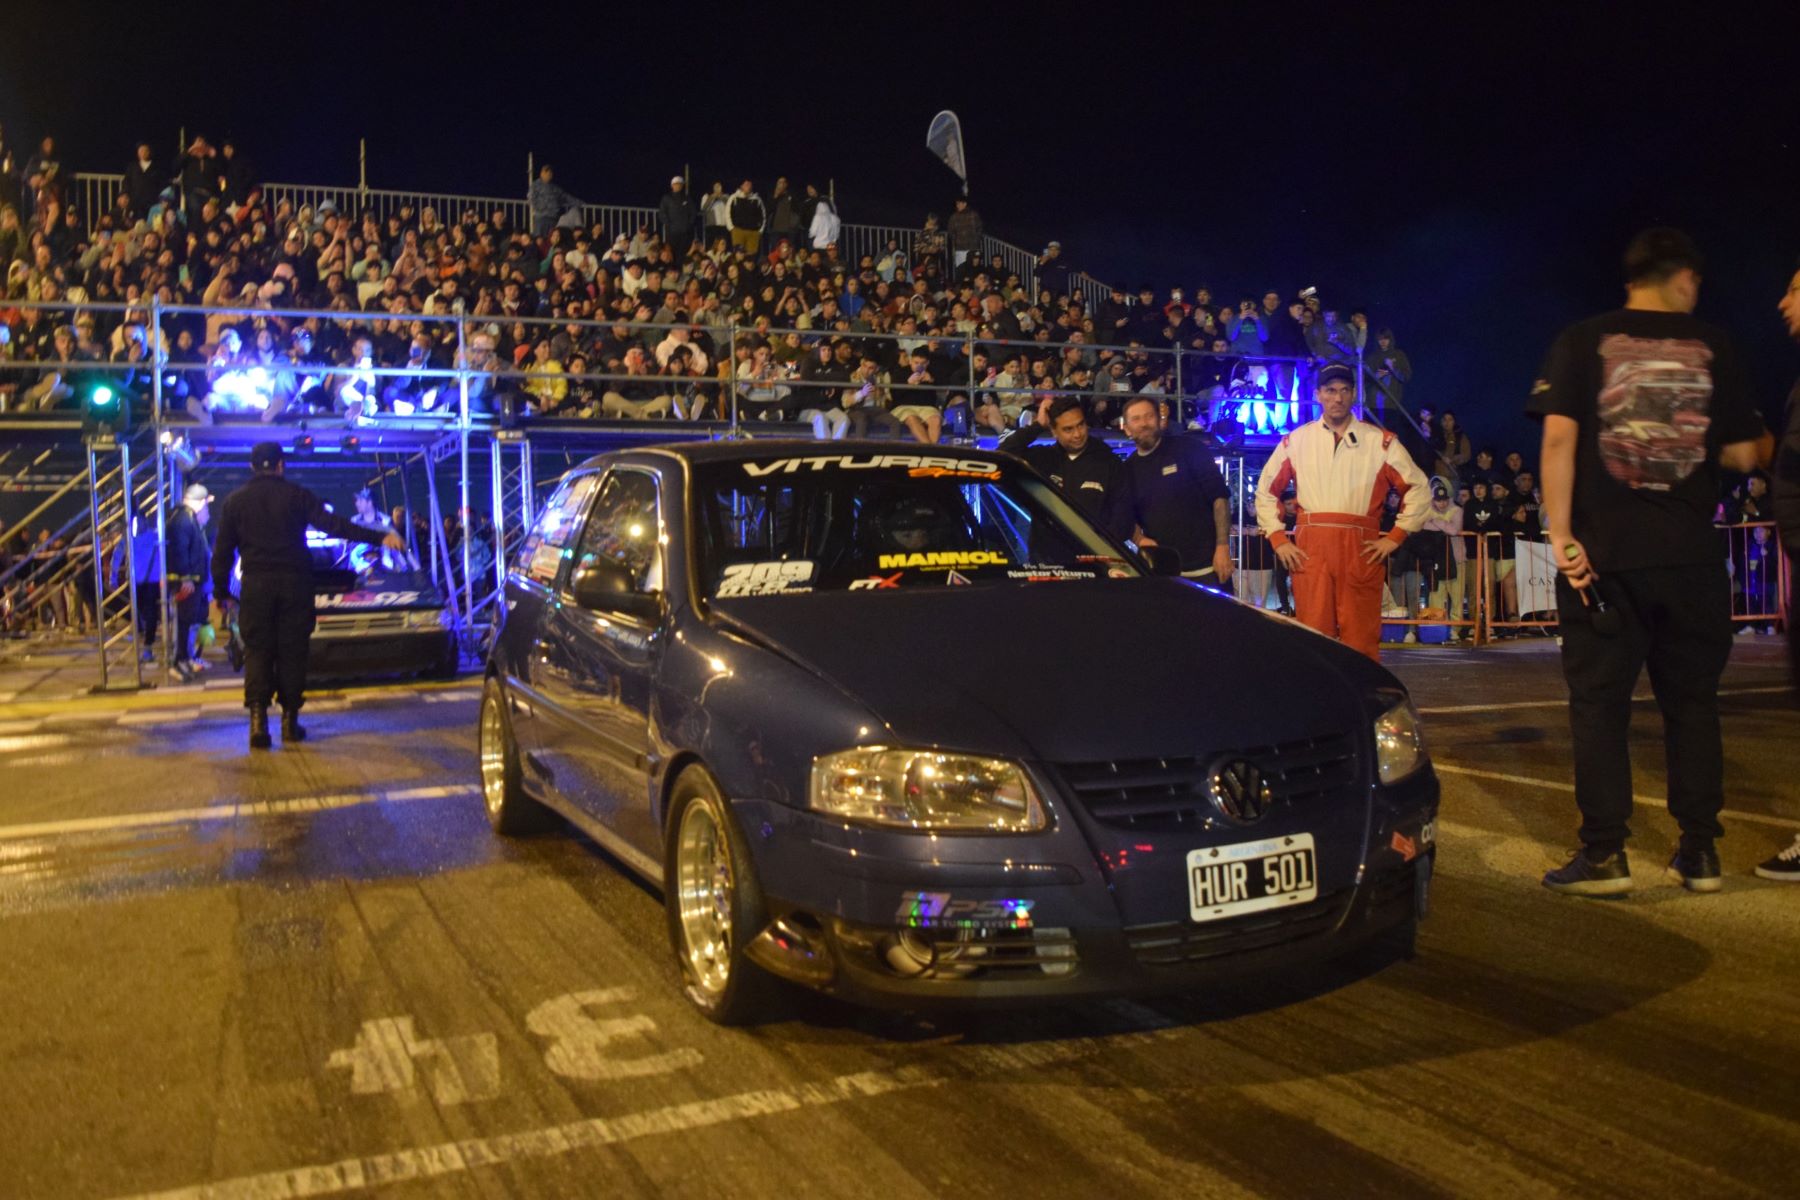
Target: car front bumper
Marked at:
389, 652
1052, 931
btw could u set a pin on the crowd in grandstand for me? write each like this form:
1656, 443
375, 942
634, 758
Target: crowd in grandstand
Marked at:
727, 300
921, 338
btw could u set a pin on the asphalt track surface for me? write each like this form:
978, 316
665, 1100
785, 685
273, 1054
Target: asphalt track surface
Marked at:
315, 972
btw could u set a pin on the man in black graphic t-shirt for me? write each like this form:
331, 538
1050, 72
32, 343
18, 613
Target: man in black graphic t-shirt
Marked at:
1641, 407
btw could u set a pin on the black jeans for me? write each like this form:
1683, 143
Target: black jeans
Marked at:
275, 619
189, 615
149, 611
1676, 621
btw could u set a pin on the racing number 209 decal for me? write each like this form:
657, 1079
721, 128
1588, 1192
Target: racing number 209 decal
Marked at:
766, 578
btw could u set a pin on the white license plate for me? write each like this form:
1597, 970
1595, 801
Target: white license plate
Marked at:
1229, 881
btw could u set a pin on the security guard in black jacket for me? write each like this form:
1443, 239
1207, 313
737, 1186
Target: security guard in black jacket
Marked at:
189, 560
264, 523
1084, 468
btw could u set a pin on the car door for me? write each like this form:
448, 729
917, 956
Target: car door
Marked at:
611, 657
531, 597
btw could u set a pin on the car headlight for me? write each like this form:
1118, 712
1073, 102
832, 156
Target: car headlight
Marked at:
925, 789
1399, 740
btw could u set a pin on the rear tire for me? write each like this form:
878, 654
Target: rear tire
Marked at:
714, 905
509, 810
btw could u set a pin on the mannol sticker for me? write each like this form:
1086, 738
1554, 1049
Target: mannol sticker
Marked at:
944, 558
924, 465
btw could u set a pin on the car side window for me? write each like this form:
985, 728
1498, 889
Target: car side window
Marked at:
624, 527
542, 554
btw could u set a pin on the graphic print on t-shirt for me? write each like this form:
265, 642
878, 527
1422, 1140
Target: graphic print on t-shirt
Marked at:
1655, 408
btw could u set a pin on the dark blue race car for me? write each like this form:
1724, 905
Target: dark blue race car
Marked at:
904, 727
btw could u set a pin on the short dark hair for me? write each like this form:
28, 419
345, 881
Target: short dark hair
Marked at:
1065, 404
1656, 254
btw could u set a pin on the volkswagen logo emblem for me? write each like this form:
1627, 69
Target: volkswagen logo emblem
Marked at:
1239, 790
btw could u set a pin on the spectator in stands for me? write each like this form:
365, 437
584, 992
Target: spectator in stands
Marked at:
549, 202
544, 382
55, 385
679, 217
1053, 270
918, 405
784, 214
144, 179
965, 231
639, 395
1450, 447
824, 227
749, 217
1281, 336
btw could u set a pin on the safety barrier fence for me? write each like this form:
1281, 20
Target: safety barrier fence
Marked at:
160, 368
1504, 585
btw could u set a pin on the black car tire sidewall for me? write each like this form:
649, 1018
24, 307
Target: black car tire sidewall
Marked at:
750, 991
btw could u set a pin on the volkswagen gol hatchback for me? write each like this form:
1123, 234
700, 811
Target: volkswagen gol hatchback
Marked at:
904, 727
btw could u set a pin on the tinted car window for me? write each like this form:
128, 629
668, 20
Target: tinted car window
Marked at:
854, 523
623, 528
554, 529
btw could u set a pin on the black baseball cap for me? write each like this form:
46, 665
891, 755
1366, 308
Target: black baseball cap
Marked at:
265, 455
1335, 372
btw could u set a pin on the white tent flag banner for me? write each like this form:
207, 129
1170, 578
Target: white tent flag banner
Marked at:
1536, 570
944, 138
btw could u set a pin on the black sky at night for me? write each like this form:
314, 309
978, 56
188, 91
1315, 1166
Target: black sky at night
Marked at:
1471, 184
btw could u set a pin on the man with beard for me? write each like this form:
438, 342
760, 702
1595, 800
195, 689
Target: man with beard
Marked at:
1178, 497
1084, 468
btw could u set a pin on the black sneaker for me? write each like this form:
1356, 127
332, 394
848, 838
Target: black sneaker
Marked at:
1611, 876
1695, 868
1784, 867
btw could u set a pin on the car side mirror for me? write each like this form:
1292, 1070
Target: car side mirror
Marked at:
605, 586
1161, 560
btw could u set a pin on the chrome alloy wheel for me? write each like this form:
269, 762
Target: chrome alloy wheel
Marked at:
704, 892
493, 753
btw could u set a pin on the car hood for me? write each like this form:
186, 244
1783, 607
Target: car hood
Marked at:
1070, 672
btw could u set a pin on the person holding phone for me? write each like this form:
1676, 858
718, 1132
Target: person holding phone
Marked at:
1641, 407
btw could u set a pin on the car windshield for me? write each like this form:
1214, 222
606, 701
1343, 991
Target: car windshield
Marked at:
855, 522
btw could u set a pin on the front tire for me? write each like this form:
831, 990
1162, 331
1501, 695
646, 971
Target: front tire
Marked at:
714, 905
509, 810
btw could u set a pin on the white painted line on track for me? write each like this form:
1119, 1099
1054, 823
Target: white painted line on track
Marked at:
1557, 785
232, 812
446, 1158
1564, 703
159, 716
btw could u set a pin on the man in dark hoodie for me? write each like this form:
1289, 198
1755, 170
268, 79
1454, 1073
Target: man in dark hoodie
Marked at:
679, 216
1282, 337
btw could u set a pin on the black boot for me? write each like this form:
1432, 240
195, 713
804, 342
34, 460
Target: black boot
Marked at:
259, 727
291, 729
